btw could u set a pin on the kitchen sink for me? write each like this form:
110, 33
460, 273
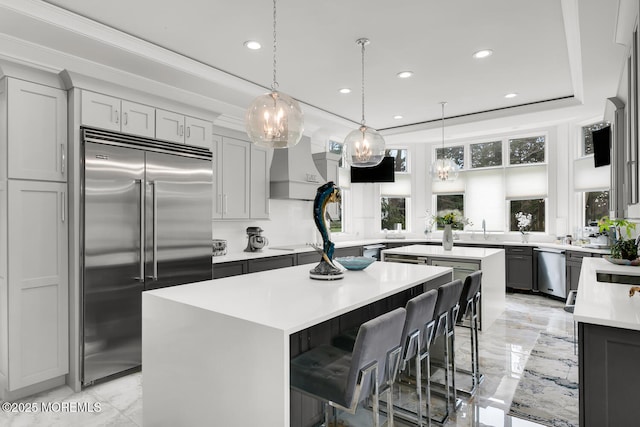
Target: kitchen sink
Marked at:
623, 279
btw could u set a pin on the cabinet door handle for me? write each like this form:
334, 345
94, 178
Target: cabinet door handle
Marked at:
125, 118
188, 131
117, 116
181, 130
63, 159
63, 208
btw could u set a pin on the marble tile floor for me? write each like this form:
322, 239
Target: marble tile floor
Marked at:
504, 349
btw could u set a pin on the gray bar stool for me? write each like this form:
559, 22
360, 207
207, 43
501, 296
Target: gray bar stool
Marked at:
446, 313
470, 303
342, 379
417, 334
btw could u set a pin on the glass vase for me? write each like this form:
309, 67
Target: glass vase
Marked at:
525, 237
447, 238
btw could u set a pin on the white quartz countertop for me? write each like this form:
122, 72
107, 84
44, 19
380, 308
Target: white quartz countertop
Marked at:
603, 303
298, 248
438, 251
288, 300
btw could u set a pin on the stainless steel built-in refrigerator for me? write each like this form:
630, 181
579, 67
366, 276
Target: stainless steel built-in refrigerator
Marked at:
146, 215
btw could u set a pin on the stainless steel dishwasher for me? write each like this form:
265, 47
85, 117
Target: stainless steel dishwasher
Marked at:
552, 278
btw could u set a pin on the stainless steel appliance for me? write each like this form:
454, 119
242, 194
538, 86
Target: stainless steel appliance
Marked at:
255, 240
373, 251
146, 224
551, 272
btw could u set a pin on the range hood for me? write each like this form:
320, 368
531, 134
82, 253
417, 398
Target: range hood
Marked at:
294, 174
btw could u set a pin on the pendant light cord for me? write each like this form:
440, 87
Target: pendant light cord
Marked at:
274, 85
443, 104
362, 43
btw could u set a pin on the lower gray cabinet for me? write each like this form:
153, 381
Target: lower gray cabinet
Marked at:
609, 380
308, 258
271, 263
519, 262
228, 269
350, 251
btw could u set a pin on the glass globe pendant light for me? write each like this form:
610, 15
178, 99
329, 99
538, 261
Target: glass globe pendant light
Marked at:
444, 169
363, 147
274, 120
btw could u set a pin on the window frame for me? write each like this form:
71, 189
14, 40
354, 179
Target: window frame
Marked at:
511, 219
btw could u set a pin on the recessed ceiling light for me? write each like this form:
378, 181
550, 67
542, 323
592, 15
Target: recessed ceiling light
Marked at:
252, 44
482, 53
404, 74
511, 95
397, 117
345, 90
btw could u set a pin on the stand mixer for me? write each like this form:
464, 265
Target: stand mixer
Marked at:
256, 241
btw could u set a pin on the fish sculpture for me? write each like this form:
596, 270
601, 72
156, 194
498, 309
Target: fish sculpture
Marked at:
326, 269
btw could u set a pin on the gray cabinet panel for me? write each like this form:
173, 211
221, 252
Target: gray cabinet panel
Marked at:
520, 272
271, 263
350, 251
228, 269
308, 258
609, 383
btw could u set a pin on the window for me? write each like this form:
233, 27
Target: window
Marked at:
393, 211
446, 202
334, 215
454, 153
526, 150
596, 205
486, 154
400, 156
587, 139
535, 207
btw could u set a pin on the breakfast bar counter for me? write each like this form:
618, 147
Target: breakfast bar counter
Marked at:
217, 352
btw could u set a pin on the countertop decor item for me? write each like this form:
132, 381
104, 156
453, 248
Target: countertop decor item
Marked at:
219, 247
274, 120
621, 261
255, 240
524, 223
363, 147
326, 269
355, 262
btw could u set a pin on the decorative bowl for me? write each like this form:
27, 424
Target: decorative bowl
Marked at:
355, 262
619, 261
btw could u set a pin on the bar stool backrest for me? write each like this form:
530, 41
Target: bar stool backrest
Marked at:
376, 339
470, 289
448, 297
420, 311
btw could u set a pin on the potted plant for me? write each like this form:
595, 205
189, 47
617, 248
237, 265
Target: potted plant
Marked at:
450, 219
621, 248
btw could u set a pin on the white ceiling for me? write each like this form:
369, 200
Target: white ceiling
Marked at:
558, 55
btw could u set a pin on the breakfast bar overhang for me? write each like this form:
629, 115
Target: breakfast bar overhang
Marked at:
217, 352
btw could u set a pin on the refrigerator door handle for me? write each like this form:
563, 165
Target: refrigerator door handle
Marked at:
155, 230
140, 277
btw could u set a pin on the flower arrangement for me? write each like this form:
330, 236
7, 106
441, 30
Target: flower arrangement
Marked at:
524, 221
451, 217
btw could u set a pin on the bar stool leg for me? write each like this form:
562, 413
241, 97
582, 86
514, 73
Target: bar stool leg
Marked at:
418, 362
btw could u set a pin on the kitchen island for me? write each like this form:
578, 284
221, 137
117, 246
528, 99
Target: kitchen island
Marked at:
609, 343
217, 352
463, 260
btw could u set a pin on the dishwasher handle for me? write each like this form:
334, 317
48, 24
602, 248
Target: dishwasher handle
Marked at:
550, 250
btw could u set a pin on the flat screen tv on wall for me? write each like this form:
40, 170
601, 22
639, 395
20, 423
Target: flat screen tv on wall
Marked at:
384, 172
602, 146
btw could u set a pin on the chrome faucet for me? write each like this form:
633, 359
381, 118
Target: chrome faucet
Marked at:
484, 230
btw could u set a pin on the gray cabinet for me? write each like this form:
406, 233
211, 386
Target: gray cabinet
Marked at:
271, 263
609, 381
308, 258
228, 269
350, 251
519, 262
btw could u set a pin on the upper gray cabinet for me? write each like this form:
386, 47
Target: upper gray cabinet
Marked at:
183, 129
36, 130
107, 112
241, 179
